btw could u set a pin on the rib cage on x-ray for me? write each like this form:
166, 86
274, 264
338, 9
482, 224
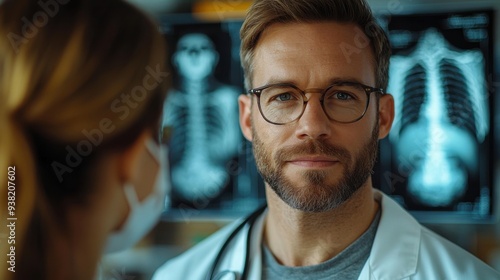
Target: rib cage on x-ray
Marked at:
414, 90
456, 93
441, 116
205, 138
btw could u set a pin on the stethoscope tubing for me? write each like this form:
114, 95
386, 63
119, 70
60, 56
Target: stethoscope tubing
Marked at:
250, 220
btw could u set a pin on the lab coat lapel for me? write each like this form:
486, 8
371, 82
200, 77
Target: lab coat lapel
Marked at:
255, 272
397, 241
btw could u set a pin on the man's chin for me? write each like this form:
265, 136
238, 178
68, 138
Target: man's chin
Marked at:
307, 178
303, 195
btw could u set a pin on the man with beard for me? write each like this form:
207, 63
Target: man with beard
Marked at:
316, 73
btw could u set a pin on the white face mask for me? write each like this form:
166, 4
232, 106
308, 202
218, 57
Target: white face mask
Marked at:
143, 215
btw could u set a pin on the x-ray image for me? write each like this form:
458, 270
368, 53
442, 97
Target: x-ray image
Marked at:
441, 116
203, 115
438, 154
207, 152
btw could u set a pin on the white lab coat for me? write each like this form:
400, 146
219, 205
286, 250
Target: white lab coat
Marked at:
402, 249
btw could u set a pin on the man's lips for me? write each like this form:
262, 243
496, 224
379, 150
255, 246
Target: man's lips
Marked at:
313, 161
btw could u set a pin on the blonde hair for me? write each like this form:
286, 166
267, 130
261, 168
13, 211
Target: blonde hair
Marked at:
264, 13
76, 78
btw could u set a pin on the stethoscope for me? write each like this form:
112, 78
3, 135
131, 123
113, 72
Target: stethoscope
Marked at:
250, 220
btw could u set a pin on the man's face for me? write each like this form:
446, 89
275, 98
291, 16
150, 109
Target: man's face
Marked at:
314, 164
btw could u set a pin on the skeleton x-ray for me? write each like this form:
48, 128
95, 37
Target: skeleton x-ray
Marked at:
439, 159
202, 113
210, 168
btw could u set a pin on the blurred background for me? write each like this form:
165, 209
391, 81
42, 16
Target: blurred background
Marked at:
441, 160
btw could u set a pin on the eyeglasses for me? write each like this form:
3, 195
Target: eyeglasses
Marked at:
343, 102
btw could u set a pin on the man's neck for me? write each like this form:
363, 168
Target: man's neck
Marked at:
298, 238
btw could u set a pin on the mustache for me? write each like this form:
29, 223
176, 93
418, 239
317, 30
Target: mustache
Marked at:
313, 147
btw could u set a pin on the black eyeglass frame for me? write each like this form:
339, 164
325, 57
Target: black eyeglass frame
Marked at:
368, 90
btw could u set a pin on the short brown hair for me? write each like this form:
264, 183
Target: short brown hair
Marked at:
264, 13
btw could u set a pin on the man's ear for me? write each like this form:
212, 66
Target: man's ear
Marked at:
245, 105
386, 115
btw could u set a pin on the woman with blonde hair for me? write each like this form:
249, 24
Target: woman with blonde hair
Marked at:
82, 83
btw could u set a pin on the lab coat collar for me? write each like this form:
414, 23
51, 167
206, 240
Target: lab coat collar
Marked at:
397, 239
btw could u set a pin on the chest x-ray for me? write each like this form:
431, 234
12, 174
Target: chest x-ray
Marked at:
439, 143
441, 116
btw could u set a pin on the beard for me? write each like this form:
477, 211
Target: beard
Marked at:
314, 193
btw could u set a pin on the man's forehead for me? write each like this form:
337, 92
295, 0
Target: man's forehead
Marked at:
318, 47
326, 32
331, 40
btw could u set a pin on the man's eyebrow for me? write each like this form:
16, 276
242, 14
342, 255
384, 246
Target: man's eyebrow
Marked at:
339, 80
280, 81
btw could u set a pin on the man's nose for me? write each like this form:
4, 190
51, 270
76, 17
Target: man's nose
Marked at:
314, 123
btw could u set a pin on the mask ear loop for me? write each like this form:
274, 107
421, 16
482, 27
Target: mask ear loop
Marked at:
131, 195
160, 153
154, 149
132, 200
129, 189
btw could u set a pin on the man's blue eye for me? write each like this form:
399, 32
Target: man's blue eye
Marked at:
284, 97
343, 96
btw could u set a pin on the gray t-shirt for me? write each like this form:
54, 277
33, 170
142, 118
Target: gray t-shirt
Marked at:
346, 265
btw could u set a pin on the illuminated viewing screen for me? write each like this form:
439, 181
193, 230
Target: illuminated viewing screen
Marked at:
438, 159
212, 173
